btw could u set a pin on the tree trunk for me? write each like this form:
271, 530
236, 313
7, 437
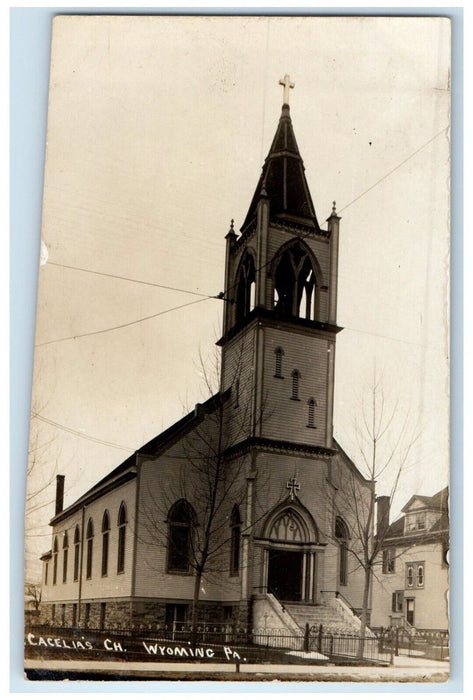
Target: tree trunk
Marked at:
364, 612
195, 605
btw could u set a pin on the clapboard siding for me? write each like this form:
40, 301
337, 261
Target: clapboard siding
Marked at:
284, 418
114, 584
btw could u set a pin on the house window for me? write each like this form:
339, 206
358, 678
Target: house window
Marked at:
341, 533
65, 549
416, 521
389, 559
237, 394
397, 601
103, 615
295, 385
122, 521
279, 352
87, 614
55, 555
76, 552
180, 537
415, 574
53, 613
90, 548
105, 542
46, 566
235, 524
63, 614
310, 421
74, 614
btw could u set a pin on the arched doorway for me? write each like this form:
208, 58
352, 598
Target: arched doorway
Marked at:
290, 554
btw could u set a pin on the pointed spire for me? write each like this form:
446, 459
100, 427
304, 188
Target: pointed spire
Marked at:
283, 180
231, 231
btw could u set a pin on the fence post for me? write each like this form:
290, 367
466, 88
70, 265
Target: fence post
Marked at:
319, 640
331, 646
306, 637
397, 641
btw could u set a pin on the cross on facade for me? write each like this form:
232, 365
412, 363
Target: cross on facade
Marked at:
286, 83
293, 486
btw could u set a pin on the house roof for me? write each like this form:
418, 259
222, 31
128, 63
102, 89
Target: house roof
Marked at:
439, 501
350, 462
283, 180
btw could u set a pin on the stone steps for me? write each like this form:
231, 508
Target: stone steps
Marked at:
324, 615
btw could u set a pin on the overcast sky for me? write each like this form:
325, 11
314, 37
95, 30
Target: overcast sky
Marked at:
157, 131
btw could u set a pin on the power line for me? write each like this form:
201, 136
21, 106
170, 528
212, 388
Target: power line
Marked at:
123, 325
130, 279
78, 433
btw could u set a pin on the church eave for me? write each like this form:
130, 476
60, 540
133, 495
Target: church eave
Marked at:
258, 313
281, 446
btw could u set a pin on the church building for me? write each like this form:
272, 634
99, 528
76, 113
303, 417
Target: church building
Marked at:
244, 510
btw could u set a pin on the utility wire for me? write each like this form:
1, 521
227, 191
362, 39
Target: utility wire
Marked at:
78, 433
129, 279
123, 325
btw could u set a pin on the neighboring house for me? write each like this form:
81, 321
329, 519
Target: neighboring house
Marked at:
122, 553
411, 585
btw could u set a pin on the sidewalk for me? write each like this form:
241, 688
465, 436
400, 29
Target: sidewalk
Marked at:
405, 669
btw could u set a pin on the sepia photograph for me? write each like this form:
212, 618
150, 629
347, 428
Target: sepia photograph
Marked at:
239, 459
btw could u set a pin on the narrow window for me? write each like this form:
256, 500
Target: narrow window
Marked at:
74, 614
105, 540
55, 554
122, 521
87, 614
237, 394
235, 525
389, 558
65, 550
341, 533
179, 539
53, 613
63, 614
410, 576
46, 566
310, 421
90, 548
103, 614
420, 576
397, 599
76, 552
279, 352
295, 385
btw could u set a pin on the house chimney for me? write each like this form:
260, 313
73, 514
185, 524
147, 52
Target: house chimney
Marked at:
382, 519
59, 493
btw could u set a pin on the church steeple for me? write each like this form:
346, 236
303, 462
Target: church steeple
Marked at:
283, 179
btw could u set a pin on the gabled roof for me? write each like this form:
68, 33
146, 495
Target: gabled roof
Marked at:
126, 471
283, 180
439, 501
350, 462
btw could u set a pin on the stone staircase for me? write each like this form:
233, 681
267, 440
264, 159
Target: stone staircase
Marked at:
334, 616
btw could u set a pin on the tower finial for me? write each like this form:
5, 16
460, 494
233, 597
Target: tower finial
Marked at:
334, 208
286, 83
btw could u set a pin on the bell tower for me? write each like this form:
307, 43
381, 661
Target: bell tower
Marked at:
280, 308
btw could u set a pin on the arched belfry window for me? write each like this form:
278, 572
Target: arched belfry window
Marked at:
235, 536
76, 552
279, 352
295, 284
296, 375
105, 542
288, 527
180, 521
90, 548
245, 283
122, 522
342, 535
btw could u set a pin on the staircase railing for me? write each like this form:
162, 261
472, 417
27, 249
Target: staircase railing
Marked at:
338, 594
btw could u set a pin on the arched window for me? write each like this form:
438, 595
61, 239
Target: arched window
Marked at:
310, 420
180, 537
245, 287
235, 525
420, 576
295, 283
76, 552
90, 548
296, 375
105, 542
65, 549
122, 521
288, 527
341, 533
410, 576
55, 555
237, 394
279, 352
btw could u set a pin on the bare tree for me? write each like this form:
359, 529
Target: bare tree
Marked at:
33, 594
385, 440
210, 483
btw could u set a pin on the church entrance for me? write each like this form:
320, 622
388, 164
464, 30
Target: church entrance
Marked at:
285, 574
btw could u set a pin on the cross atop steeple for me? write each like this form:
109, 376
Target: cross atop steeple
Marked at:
286, 83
